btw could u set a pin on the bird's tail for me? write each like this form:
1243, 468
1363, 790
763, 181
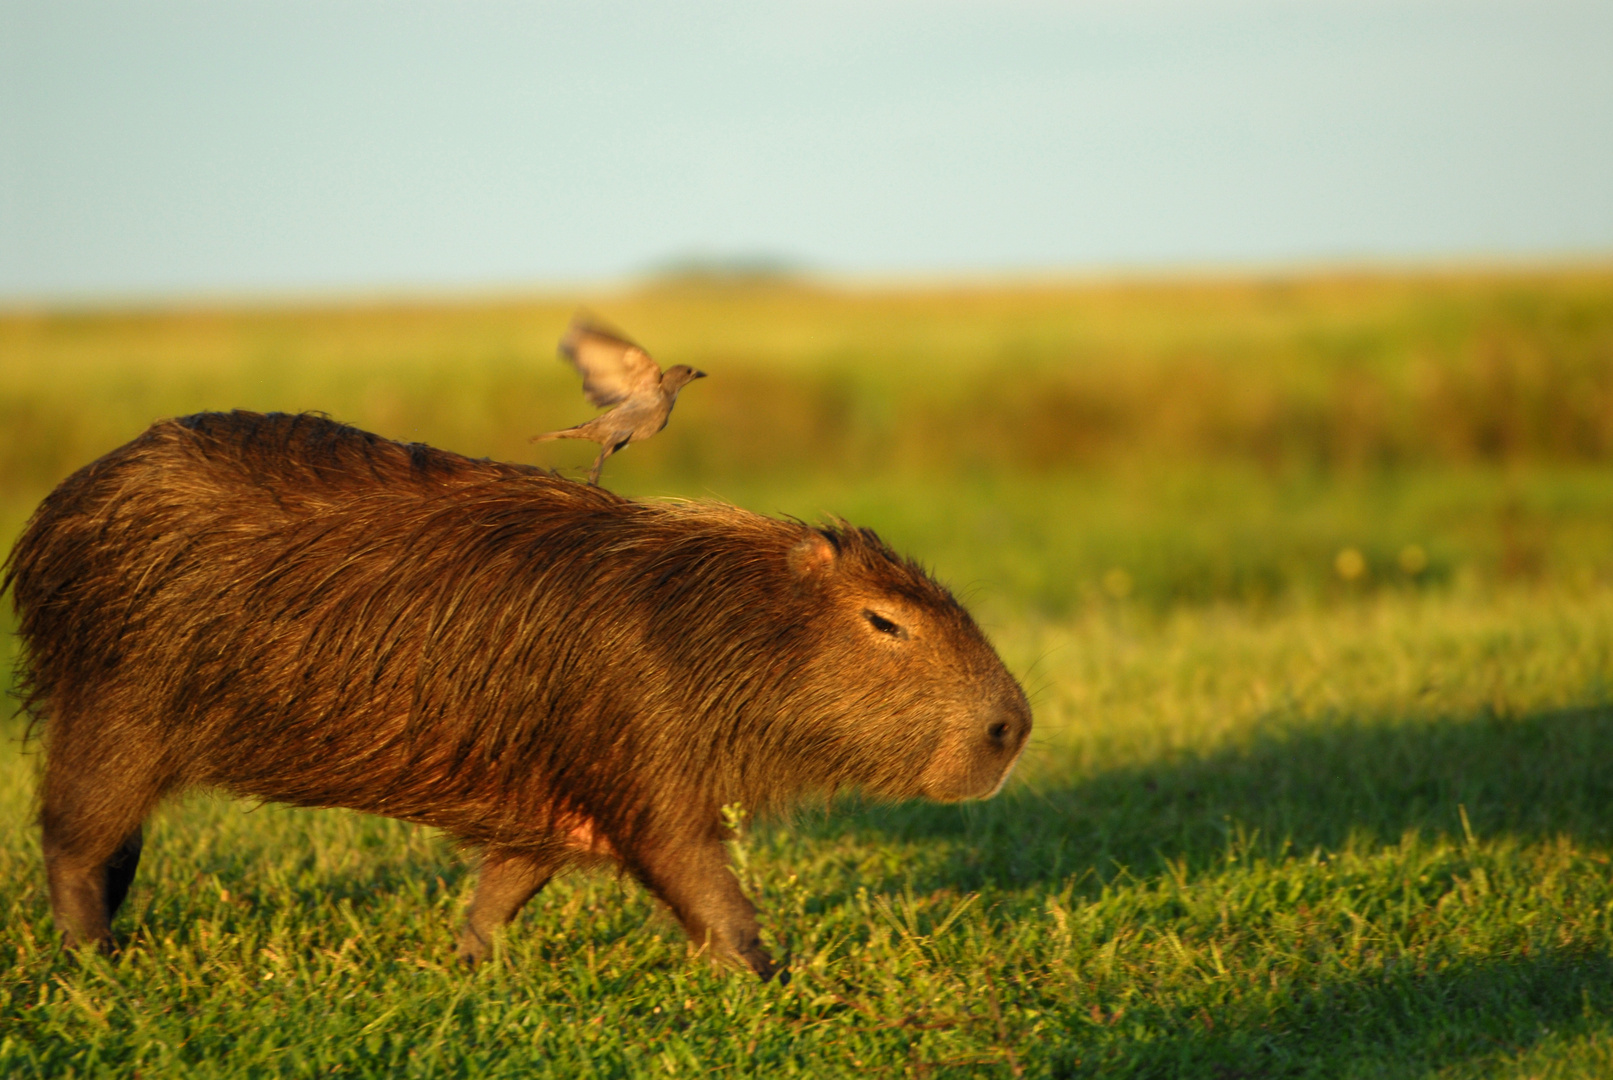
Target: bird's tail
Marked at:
563, 433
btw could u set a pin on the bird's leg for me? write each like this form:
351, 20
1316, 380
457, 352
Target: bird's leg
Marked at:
605, 451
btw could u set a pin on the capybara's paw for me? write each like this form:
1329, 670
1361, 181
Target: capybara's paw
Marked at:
757, 959
472, 948
100, 944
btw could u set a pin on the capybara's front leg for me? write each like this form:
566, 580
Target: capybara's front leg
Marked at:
506, 882
694, 879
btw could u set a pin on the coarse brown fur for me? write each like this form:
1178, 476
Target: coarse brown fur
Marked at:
290, 609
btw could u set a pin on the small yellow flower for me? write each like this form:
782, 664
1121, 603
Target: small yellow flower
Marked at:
1350, 564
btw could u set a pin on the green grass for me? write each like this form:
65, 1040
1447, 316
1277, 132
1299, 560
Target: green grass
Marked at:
1370, 839
1286, 812
1056, 545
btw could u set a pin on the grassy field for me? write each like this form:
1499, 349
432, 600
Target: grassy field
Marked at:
1311, 581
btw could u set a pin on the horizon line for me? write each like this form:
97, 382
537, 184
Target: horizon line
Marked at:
782, 274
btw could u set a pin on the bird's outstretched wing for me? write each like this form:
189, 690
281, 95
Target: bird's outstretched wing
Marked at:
613, 368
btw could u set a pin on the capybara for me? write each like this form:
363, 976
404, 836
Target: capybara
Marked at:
289, 609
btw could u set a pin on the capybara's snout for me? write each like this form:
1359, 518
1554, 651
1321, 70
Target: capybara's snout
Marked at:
978, 752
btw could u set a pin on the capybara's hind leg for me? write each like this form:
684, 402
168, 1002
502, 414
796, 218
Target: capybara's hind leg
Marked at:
86, 891
92, 841
506, 882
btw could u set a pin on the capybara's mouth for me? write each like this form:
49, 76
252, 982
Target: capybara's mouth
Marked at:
1007, 772
972, 786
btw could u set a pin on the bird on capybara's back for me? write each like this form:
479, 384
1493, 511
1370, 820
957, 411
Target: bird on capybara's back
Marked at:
290, 609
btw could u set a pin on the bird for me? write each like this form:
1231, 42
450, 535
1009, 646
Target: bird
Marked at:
618, 372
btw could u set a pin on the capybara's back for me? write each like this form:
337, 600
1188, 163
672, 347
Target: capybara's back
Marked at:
288, 608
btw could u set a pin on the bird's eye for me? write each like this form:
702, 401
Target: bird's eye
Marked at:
884, 625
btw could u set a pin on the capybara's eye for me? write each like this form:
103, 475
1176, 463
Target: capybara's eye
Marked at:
884, 625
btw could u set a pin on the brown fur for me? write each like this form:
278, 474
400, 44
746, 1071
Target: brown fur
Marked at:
289, 609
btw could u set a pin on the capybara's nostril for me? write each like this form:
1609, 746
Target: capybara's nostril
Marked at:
998, 733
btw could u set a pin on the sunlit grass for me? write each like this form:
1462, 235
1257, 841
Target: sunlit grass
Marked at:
1366, 841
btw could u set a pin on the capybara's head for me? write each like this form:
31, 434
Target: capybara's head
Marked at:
914, 676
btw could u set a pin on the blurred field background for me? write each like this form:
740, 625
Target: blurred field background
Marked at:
1310, 577
1049, 445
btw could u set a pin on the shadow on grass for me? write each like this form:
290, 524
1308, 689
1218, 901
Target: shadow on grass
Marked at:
1539, 775
1394, 1025
1535, 776
1345, 784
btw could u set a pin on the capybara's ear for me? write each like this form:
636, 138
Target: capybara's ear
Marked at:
813, 554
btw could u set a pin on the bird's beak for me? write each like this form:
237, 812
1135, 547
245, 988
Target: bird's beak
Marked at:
698, 375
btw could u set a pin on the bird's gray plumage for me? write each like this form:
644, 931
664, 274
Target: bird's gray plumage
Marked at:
617, 372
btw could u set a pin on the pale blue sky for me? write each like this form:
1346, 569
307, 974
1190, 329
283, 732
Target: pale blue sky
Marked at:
233, 146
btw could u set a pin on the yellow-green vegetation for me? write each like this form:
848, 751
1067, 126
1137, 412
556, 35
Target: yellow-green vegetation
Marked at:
1311, 580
